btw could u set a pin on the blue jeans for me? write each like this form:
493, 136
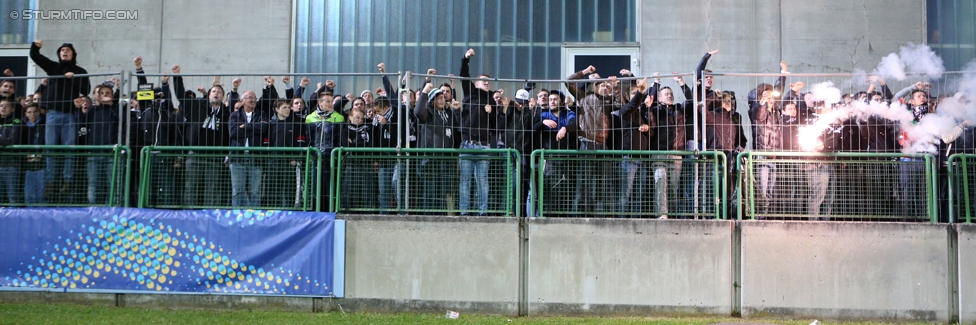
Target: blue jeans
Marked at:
767, 183
388, 181
245, 180
99, 170
10, 176
477, 165
61, 129
34, 187
911, 187
634, 177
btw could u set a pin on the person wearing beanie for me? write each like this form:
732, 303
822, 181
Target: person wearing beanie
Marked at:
437, 127
58, 96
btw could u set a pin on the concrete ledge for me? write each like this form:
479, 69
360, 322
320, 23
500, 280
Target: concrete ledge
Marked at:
391, 306
589, 310
846, 270
231, 302
629, 266
883, 315
47, 297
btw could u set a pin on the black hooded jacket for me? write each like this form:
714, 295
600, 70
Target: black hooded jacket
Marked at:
60, 91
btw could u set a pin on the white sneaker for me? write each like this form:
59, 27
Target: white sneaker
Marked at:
663, 216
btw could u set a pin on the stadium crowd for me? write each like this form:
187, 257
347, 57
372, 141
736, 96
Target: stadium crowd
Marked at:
594, 113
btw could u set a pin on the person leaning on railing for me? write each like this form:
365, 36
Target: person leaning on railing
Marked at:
205, 126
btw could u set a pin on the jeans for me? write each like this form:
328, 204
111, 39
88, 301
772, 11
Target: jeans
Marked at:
10, 176
388, 181
100, 172
476, 165
202, 180
34, 187
61, 129
245, 179
911, 187
767, 182
821, 189
665, 173
634, 177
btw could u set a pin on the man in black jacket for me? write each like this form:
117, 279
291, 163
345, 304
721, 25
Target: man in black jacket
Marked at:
58, 99
478, 122
206, 126
102, 125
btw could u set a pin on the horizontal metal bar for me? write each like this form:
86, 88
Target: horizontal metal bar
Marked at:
835, 154
114, 74
261, 149
337, 74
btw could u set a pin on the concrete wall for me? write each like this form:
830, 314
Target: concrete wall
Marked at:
616, 266
431, 264
814, 36
891, 271
967, 272
250, 36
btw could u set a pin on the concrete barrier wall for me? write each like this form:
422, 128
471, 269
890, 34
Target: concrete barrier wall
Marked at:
803, 270
967, 272
629, 266
432, 264
846, 270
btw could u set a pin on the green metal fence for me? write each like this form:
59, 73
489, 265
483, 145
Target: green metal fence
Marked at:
64, 175
410, 181
837, 186
231, 177
637, 184
962, 171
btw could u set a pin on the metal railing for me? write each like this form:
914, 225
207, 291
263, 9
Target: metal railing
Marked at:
638, 184
53, 175
837, 186
231, 177
425, 181
962, 168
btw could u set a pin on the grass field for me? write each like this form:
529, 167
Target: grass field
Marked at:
78, 314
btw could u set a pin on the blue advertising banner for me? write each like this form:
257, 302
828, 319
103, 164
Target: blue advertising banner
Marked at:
202, 251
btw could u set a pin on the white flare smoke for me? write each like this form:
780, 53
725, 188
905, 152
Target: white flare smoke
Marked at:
911, 59
921, 137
